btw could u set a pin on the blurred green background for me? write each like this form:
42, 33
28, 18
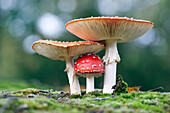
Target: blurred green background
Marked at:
144, 62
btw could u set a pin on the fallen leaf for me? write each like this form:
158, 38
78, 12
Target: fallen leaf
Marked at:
133, 89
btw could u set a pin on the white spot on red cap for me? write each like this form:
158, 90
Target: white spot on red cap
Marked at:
94, 65
96, 70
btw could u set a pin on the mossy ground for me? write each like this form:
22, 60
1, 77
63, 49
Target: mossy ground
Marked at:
36, 101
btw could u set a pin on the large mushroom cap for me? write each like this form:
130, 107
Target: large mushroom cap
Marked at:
59, 50
89, 65
122, 29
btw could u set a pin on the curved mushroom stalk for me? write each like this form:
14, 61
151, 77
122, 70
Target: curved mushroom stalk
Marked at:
111, 58
89, 84
73, 78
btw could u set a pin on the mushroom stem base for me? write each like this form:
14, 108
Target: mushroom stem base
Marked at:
75, 86
73, 79
89, 84
110, 77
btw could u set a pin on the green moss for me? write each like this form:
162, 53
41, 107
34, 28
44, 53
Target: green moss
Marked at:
121, 85
83, 92
95, 93
54, 101
105, 95
27, 91
75, 96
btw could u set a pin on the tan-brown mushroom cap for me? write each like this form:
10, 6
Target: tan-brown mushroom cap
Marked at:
59, 50
122, 29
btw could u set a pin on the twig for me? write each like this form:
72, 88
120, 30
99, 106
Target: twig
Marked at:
132, 100
43, 91
10, 96
49, 92
155, 89
98, 99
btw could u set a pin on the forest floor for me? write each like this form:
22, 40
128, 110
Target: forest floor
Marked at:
51, 101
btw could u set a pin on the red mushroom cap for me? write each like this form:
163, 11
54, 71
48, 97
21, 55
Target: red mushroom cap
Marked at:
89, 65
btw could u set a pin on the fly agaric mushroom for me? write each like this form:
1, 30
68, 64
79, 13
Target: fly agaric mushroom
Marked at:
112, 30
89, 66
67, 51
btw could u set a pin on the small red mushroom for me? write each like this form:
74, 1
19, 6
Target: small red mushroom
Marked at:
89, 66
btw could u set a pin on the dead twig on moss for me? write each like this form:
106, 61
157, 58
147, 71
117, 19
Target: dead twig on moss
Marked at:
98, 99
132, 100
155, 89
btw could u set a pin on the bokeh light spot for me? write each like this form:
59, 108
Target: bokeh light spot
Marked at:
147, 39
7, 4
107, 7
28, 41
67, 6
50, 25
17, 28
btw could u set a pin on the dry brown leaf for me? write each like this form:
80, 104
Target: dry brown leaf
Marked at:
133, 89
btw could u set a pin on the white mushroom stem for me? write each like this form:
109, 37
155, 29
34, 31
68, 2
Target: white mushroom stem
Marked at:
89, 84
72, 77
111, 58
